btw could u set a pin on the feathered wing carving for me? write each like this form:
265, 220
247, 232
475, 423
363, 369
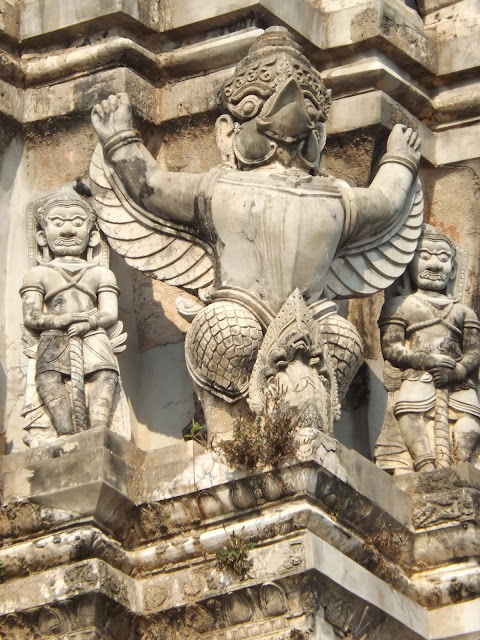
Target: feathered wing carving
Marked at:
364, 267
161, 249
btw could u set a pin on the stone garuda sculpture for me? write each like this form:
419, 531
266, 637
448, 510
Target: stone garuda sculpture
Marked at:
431, 346
69, 303
261, 228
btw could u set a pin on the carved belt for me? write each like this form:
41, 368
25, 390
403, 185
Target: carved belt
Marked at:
261, 310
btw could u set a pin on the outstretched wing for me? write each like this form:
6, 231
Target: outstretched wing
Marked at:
364, 267
159, 248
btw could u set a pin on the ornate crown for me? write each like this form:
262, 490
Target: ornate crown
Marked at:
432, 233
271, 61
63, 197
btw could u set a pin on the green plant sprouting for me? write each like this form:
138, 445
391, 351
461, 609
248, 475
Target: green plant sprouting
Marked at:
196, 432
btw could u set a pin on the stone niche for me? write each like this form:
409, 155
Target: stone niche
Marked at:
107, 537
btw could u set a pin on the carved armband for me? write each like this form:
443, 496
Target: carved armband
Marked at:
38, 288
471, 323
120, 139
401, 158
112, 288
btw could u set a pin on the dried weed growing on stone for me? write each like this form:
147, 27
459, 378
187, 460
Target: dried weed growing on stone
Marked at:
384, 540
234, 556
265, 441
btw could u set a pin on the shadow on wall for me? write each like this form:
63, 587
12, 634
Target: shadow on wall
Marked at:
164, 404
352, 428
3, 401
11, 154
158, 322
363, 409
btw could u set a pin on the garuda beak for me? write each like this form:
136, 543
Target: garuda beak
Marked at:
285, 117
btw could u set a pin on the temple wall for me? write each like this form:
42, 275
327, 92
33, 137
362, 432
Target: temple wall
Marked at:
386, 62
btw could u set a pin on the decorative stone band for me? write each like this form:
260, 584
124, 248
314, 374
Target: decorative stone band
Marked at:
110, 288
322, 309
120, 139
37, 288
422, 462
250, 301
401, 158
318, 309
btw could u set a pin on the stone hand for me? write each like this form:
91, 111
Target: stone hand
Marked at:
404, 140
64, 320
111, 116
443, 376
78, 329
438, 361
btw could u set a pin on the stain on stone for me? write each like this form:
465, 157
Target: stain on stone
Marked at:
365, 25
349, 155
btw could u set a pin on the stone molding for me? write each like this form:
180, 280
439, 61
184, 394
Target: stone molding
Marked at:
391, 27
446, 144
125, 525
66, 83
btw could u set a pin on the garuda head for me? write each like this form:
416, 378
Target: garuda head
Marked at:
278, 105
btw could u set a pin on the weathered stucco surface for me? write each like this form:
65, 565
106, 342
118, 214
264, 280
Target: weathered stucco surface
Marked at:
107, 539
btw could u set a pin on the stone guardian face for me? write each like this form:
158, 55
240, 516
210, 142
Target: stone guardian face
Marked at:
433, 265
67, 225
66, 230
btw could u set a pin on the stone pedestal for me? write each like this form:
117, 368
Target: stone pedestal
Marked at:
102, 540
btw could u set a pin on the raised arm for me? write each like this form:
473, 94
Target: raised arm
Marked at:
163, 193
379, 206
